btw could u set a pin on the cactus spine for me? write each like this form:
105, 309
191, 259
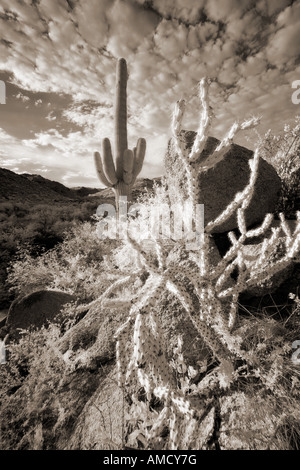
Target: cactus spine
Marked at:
121, 174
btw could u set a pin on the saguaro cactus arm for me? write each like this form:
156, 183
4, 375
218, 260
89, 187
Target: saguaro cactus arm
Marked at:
108, 162
139, 155
100, 172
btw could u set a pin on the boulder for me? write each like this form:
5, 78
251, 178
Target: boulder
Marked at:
219, 184
35, 309
100, 425
3, 316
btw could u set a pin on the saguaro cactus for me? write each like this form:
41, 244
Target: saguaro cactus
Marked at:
120, 174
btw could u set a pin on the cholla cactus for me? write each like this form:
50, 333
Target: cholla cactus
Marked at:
121, 175
141, 352
189, 157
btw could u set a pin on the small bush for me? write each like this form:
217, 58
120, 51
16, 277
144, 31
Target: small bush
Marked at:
35, 365
283, 152
77, 265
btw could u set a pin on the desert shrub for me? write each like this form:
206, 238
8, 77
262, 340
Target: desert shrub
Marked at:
36, 366
35, 229
269, 417
283, 152
77, 265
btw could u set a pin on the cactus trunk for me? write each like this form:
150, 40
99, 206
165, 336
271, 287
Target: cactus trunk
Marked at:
123, 189
121, 143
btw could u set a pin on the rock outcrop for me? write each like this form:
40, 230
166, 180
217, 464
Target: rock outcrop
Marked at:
220, 183
35, 310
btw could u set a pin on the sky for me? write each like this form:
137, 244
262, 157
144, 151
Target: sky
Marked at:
58, 61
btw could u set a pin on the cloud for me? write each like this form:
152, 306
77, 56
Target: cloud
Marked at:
50, 151
283, 47
170, 39
51, 117
129, 25
93, 24
271, 7
226, 10
95, 119
51, 48
71, 154
249, 26
250, 50
22, 97
187, 11
253, 65
45, 51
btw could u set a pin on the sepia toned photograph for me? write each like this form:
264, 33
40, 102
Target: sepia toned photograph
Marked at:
150, 228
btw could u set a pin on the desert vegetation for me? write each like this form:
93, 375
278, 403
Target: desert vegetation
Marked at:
159, 350
35, 228
283, 152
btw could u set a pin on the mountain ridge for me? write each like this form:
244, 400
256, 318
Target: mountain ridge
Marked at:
35, 189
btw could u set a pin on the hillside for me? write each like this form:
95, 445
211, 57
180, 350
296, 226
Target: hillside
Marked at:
36, 189
37, 212
141, 185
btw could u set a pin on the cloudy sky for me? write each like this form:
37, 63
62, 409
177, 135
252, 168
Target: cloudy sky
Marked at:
58, 59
